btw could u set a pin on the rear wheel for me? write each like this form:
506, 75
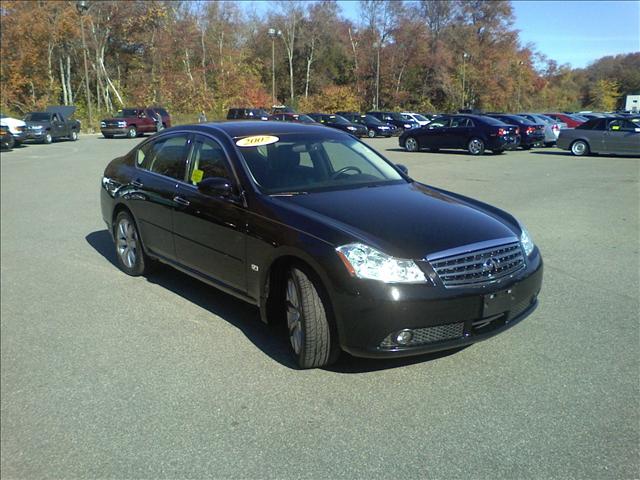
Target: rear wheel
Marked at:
132, 132
475, 146
579, 148
74, 135
411, 144
310, 333
129, 253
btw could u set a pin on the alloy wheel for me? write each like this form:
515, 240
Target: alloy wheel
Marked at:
127, 242
294, 314
475, 146
411, 144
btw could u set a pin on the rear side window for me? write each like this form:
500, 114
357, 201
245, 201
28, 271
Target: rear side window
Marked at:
208, 160
165, 156
593, 124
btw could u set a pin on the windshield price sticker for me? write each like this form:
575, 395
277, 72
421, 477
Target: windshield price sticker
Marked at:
257, 141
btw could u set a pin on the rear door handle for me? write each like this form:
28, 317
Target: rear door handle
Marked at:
136, 183
181, 201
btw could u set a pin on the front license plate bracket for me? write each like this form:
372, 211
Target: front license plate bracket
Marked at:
498, 302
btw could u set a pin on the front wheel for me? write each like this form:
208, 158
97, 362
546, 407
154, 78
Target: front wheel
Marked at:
47, 139
129, 253
475, 146
371, 133
579, 148
74, 135
310, 333
411, 144
132, 132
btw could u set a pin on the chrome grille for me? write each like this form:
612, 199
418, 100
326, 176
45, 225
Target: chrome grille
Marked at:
480, 266
428, 335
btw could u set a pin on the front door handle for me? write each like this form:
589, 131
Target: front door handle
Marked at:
181, 201
136, 183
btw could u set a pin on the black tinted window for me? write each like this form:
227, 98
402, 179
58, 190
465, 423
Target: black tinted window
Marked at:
165, 156
593, 124
208, 160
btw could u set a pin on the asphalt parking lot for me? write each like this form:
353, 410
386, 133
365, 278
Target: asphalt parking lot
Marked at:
105, 375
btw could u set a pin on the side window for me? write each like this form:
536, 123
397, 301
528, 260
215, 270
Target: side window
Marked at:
439, 123
616, 125
208, 160
166, 156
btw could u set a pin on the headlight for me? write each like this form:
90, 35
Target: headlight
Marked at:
36, 127
407, 125
526, 241
351, 128
363, 261
102, 124
122, 124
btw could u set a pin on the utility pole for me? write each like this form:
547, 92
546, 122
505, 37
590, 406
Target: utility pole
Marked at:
464, 58
520, 63
377, 45
273, 34
82, 6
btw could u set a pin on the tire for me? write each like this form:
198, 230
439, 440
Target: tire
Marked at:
371, 133
132, 132
47, 139
130, 255
497, 152
580, 148
74, 136
411, 144
310, 334
107, 136
475, 146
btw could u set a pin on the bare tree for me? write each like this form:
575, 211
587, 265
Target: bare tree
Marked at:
291, 14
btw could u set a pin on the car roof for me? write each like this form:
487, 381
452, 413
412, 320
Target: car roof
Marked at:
236, 129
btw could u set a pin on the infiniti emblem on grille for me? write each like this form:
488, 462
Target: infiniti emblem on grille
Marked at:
490, 266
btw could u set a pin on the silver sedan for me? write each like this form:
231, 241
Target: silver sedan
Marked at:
615, 135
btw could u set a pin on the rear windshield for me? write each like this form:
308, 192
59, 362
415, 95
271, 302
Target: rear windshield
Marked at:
371, 119
492, 121
297, 163
37, 116
340, 120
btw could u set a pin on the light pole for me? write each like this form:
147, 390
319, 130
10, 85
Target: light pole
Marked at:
82, 6
520, 64
465, 55
273, 34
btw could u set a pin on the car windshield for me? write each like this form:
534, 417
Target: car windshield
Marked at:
338, 119
37, 116
372, 120
304, 118
420, 118
579, 118
126, 112
297, 163
493, 121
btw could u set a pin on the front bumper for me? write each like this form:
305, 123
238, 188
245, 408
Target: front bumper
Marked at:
445, 318
19, 136
114, 131
35, 134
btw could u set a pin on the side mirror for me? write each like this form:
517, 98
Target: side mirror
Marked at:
402, 168
216, 186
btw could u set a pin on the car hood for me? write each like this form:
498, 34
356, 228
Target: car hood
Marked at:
42, 123
408, 220
11, 122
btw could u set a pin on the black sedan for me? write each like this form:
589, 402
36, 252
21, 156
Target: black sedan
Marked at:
324, 235
340, 123
531, 133
375, 128
474, 133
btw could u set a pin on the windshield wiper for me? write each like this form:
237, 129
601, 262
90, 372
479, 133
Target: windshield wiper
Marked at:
288, 194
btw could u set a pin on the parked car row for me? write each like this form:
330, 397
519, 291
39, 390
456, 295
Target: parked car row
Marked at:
42, 127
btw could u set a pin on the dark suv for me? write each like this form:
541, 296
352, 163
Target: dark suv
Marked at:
134, 122
248, 114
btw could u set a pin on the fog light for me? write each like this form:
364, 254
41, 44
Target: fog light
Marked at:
403, 337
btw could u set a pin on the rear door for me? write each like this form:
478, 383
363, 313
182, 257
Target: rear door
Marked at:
209, 231
160, 164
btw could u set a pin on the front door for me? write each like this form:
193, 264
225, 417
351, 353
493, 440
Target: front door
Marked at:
621, 137
209, 231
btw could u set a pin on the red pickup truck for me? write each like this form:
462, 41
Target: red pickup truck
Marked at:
134, 122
